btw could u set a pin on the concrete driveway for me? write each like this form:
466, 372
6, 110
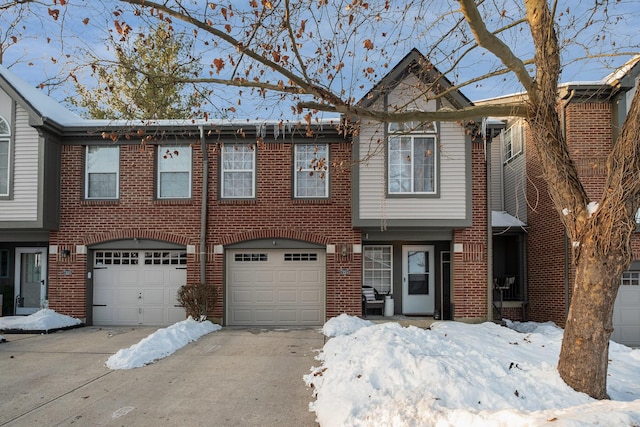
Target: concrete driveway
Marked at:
232, 377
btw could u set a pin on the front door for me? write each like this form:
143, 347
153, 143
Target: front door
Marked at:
418, 279
30, 282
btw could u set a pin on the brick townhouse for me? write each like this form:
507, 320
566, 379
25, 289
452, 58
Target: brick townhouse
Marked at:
591, 114
288, 226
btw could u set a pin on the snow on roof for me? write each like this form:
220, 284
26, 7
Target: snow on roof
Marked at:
43, 104
622, 71
503, 219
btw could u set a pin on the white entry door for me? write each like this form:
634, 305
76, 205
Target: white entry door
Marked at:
31, 280
418, 280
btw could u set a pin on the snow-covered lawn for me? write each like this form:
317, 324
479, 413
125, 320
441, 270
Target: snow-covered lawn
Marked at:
42, 320
458, 374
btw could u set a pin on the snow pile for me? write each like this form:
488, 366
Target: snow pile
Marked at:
344, 325
458, 374
160, 344
43, 320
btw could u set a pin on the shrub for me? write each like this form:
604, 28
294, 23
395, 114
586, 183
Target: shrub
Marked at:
196, 299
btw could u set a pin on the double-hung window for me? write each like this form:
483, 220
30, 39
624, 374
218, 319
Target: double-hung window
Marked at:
513, 140
377, 268
174, 172
311, 175
102, 172
5, 157
238, 171
412, 159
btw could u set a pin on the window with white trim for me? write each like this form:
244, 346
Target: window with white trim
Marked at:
377, 268
513, 140
5, 157
238, 171
311, 176
174, 172
102, 172
412, 158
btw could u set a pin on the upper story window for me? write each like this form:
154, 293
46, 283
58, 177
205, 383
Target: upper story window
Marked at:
311, 175
412, 159
513, 140
5, 156
174, 172
102, 172
238, 171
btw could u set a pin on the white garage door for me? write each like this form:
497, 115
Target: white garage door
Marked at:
626, 312
138, 287
276, 287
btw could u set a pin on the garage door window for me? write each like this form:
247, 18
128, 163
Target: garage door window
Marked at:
631, 278
250, 257
301, 257
165, 258
115, 258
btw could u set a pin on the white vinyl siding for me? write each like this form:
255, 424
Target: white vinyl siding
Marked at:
5, 165
238, 171
174, 172
23, 205
311, 175
452, 188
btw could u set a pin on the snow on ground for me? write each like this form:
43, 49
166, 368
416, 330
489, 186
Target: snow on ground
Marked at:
43, 320
160, 344
458, 374
157, 345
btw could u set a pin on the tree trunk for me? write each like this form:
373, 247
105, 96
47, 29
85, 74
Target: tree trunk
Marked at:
585, 348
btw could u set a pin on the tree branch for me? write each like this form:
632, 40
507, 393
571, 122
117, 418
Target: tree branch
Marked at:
493, 44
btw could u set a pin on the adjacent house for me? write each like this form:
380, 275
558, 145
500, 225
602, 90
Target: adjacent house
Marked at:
541, 259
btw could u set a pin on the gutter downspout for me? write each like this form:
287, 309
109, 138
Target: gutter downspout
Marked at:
487, 153
566, 238
203, 207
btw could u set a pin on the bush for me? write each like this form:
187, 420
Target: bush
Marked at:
196, 299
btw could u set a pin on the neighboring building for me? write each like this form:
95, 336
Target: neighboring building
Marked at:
29, 190
591, 115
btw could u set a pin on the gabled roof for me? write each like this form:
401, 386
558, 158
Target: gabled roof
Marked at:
414, 63
41, 107
625, 75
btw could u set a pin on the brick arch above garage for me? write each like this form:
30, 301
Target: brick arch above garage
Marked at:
125, 234
275, 234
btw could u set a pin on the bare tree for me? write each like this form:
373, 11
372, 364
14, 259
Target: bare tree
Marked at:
321, 55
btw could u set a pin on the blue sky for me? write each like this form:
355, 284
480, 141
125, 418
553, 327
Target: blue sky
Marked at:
31, 57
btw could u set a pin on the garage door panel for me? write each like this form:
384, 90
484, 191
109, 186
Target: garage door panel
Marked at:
138, 287
127, 277
626, 313
311, 316
287, 316
126, 315
264, 296
276, 287
288, 296
153, 297
263, 277
310, 297
287, 277
241, 296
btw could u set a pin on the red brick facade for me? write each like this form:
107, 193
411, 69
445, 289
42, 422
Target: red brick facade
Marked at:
470, 265
589, 135
274, 213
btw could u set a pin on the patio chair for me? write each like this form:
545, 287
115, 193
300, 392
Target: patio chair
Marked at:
371, 300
